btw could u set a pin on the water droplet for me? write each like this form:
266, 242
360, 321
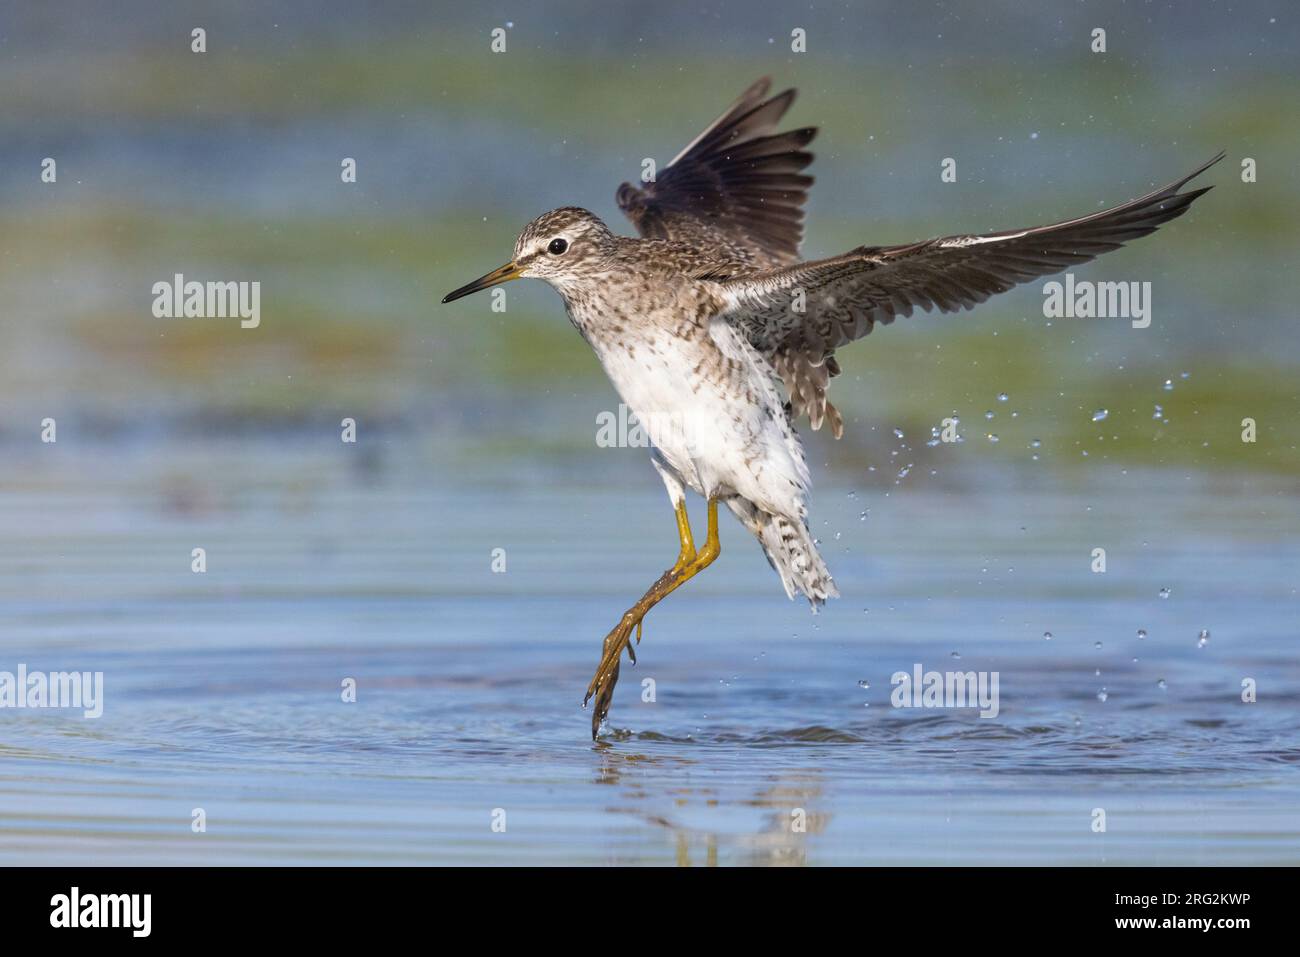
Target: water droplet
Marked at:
1142, 633
1161, 684
1047, 635
1164, 593
1002, 397
1035, 443
1169, 385
1097, 645
956, 654
864, 683
898, 433
1100, 414
1102, 695
863, 516
988, 414
1202, 639
992, 437
1184, 375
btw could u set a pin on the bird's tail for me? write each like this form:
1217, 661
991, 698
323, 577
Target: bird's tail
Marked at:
790, 550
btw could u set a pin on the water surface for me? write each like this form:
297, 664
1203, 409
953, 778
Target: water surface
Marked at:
223, 689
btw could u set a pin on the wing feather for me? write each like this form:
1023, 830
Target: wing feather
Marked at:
845, 296
736, 191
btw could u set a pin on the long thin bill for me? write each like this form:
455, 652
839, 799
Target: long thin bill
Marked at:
504, 274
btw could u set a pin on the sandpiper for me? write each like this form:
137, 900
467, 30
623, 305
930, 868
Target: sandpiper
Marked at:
719, 338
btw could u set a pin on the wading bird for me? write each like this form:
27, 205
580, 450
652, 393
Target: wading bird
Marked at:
718, 338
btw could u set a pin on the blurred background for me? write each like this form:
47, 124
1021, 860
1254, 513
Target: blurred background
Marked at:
226, 165
477, 429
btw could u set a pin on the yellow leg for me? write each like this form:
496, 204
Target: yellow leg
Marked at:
685, 556
689, 564
687, 553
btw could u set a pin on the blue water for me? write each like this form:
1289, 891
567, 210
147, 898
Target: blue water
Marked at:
222, 690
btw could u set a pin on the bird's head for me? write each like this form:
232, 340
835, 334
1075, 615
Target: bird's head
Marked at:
561, 247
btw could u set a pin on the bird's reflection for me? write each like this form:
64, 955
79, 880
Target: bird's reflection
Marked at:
655, 793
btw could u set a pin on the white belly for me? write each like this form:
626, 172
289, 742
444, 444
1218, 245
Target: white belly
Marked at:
720, 437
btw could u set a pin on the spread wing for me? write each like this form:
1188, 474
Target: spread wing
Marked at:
842, 298
736, 190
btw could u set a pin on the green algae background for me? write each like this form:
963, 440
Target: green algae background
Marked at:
225, 165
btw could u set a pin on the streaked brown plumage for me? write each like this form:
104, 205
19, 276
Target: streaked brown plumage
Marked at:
737, 189
711, 321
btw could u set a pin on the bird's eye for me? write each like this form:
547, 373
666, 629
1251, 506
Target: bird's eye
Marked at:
557, 246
